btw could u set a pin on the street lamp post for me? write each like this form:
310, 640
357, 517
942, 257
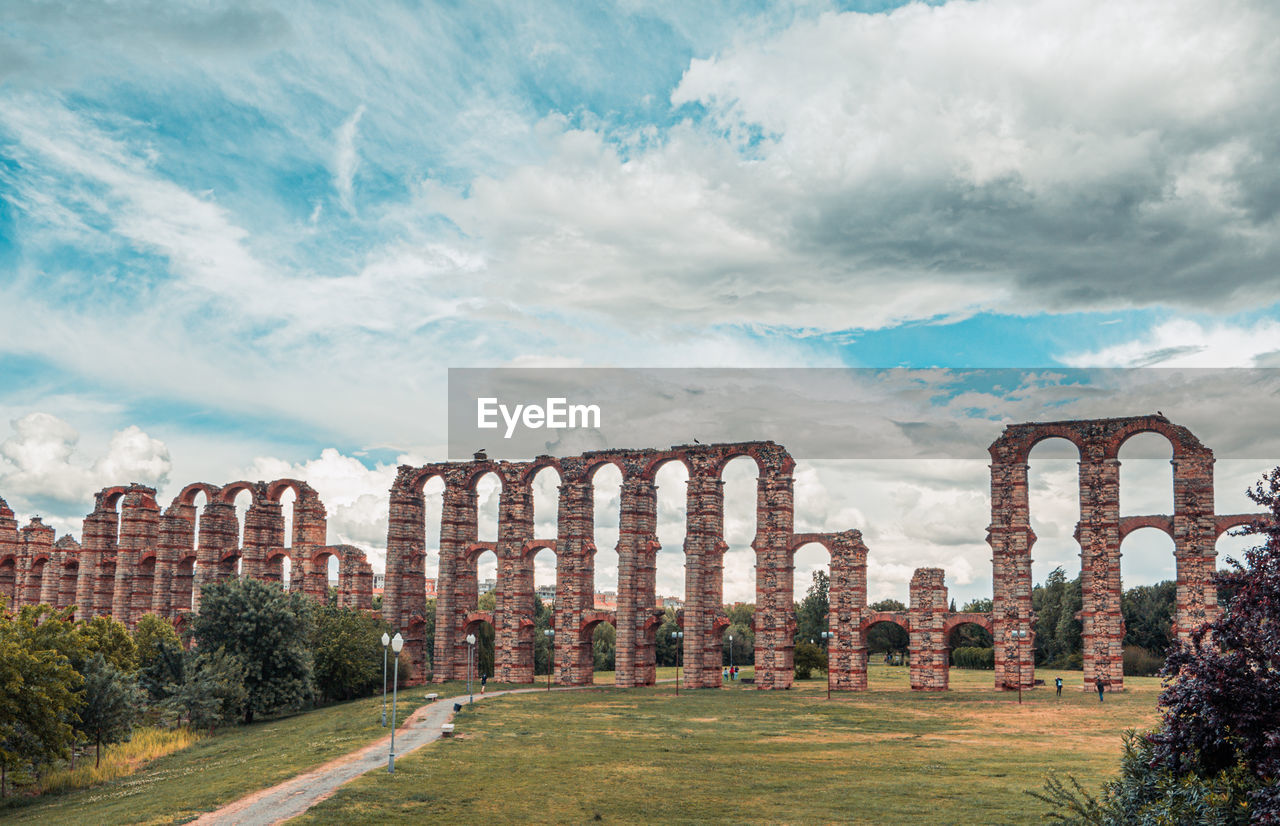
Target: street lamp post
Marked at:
550, 634
397, 643
731, 656
471, 647
678, 636
826, 643
385, 642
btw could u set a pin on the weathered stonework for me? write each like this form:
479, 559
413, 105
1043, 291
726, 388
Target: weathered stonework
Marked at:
137, 560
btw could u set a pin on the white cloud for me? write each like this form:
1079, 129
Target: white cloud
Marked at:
346, 159
1186, 343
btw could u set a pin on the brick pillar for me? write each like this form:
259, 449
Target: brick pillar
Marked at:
68, 570
10, 547
174, 542
775, 569
139, 533
263, 530
355, 588
177, 544
458, 529
37, 550
847, 599
218, 531
1011, 539
928, 647
635, 659
1195, 543
513, 603
404, 592
575, 576
96, 585
704, 548
1099, 535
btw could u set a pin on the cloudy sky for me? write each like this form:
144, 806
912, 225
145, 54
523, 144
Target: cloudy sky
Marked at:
247, 239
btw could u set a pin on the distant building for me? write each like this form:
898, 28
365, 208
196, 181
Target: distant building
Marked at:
431, 588
606, 601
546, 593
379, 582
487, 585
671, 602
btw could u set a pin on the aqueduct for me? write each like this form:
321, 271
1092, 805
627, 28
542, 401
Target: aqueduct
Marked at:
135, 559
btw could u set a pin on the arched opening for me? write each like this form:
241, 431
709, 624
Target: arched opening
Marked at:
142, 588
67, 585
606, 493
288, 499
888, 652
672, 482
1146, 475
974, 644
433, 511
488, 492
35, 581
243, 501
1053, 497
1147, 558
184, 574
541, 610
275, 569
740, 477
485, 564
9, 582
600, 637
1149, 599
1231, 547
482, 653
810, 588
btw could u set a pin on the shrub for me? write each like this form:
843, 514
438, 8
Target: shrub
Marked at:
1139, 662
971, 657
809, 656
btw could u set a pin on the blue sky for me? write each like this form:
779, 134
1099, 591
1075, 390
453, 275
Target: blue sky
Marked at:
233, 235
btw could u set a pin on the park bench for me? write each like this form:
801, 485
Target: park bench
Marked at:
433, 696
446, 730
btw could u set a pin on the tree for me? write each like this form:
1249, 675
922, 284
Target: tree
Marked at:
148, 635
1056, 603
39, 696
165, 672
604, 647
484, 637
808, 658
110, 638
1215, 756
268, 631
347, 647
214, 693
741, 616
111, 701
1148, 615
811, 612
667, 650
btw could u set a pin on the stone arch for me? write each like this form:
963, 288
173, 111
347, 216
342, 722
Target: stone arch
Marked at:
9, 581
69, 576
954, 621
300, 489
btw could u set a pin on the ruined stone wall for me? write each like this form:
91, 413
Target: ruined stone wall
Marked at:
928, 643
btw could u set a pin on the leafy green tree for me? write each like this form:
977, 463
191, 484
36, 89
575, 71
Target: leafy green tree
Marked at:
39, 691
1148, 616
741, 616
110, 638
112, 699
165, 671
428, 630
268, 631
811, 612
667, 650
148, 634
982, 605
542, 645
887, 636
1056, 604
347, 648
214, 693
809, 657
604, 644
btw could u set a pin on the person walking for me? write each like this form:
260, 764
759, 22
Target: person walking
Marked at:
484, 678
1102, 685
1058, 684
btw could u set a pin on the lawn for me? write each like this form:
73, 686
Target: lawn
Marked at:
220, 769
886, 756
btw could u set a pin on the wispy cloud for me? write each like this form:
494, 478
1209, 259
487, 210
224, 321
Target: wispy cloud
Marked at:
346, 159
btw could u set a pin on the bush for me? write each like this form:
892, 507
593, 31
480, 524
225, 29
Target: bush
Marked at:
970, 657
809, 656
1139, 662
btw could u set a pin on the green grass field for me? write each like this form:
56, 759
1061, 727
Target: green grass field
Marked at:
887, 756
884, 756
